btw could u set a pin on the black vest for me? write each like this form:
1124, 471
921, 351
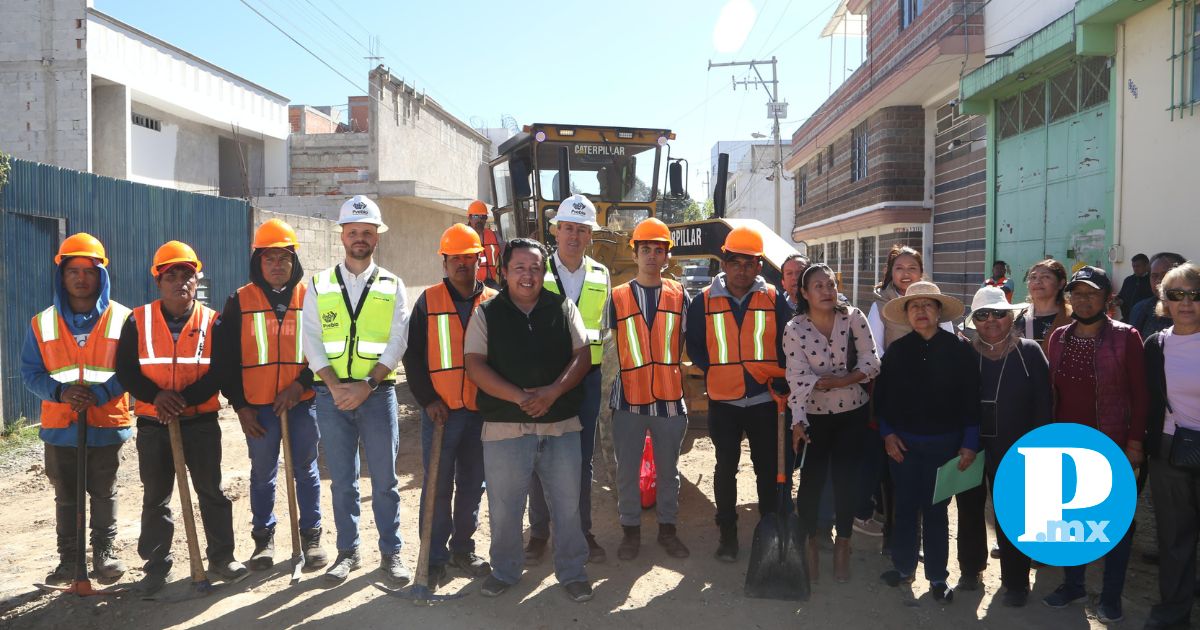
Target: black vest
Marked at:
528, 351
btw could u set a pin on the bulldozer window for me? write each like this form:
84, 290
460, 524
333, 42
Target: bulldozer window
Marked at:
607, 172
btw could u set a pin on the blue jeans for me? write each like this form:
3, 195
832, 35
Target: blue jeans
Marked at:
460, 475
374, 425
264, 466
914, 479
509, 466
539, 514
1116, 562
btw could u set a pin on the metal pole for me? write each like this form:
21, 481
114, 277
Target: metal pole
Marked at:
778, 153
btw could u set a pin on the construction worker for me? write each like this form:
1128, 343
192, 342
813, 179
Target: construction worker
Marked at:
489, 260
739, 322
355, 329
163, 360
527, 351
258, 352
71, 370
570, 272
646, 316
433, 366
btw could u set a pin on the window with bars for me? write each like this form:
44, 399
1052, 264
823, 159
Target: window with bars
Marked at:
1185, 57
831, 256
858, 152
147, 122
802, 186
909, 10
816, 253
1083, 85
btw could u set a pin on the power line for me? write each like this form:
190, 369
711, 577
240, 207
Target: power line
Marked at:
804, 26
297, 42
774, 28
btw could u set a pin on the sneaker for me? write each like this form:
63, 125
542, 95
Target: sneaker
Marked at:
493, 587
1064, 596
314, 556
534, 550
631, 543
470, 564
394, 570
894, 578
968, 582
596, 553
105, 562
1109, 613
868, 527
228, 569
942, 593
1014, 598
995, 552
263, 556
62, 574
345, 562
579, 591
670, 541
151, 583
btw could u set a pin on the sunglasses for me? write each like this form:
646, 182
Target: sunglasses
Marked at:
983, 314
1178, 295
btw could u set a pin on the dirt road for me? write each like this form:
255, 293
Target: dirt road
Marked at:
653, 591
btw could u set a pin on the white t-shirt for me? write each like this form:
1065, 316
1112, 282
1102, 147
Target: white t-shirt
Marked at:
1181, 355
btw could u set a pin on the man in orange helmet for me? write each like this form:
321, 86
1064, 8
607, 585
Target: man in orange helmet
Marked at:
259, 354
489, 260
68, 361
646, 317
738, 323
433, 364
163, 360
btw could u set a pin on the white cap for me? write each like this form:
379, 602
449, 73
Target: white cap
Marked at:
577, 209
360, 209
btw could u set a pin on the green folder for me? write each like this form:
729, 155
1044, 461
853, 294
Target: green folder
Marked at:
951, 481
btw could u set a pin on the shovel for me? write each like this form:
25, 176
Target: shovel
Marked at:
293, 513
82, 586
778, 567
421, 592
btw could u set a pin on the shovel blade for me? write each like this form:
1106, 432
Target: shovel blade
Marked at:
297, 567
82, 588
778, 567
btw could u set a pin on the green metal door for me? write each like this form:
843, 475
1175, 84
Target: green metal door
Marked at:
1054, 177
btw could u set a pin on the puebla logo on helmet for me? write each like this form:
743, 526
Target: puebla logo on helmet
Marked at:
578, 207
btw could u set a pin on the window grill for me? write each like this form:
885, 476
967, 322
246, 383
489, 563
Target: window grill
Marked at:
147, 122
1185, 58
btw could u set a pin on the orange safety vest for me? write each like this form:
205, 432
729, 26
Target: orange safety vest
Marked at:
93, 363
272, 355
650, 356
489, 262
174, 364
444, 337
732, 347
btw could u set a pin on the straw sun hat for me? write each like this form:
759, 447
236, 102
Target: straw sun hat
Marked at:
895, 310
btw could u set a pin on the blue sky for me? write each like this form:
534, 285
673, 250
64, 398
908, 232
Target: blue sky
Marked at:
622, 62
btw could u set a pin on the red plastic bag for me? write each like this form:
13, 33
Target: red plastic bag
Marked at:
648, 479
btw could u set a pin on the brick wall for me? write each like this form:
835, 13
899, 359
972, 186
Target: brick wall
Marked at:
321, 164
320, 244
960, 197
895, 167
360, 119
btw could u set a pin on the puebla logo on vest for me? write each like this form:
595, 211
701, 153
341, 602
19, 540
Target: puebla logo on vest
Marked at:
329, 320
1065, 494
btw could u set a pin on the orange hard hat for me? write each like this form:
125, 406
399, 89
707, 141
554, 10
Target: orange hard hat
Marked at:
477, 208
81, 244
459, 239
651, 229
275, 233
743, 240
174, 252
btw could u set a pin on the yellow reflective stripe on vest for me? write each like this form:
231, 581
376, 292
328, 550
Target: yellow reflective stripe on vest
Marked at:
635, 346
354, 358
669, 329
760, 328
116, 320
719, 334
48, 324
443, 328
260, 337
299, 338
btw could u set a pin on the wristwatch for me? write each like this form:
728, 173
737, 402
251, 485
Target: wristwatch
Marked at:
372, 383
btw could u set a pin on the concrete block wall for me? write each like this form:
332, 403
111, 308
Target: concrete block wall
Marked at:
960, 202
320, 242
320, 164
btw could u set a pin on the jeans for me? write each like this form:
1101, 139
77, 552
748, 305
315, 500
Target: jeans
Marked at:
202, 455
1116, 562
459, 481
264, 466
726, 426
629, 441
61, 467
373, 425
914, 480
1177, 514
589, 413
834, 457
509, 465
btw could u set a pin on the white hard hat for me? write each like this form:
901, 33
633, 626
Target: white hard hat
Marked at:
577, 209
360, 209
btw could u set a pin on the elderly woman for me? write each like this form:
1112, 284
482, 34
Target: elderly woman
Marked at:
1046, 281
1014, 392
927, 406
1173, 443
1098, 376
829, 353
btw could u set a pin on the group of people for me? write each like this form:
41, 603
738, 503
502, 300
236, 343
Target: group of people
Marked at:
505, 354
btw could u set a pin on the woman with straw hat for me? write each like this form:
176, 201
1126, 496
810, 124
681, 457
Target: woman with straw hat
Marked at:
927, 405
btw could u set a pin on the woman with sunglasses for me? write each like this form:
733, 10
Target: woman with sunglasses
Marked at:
1173, 380
1014, 392
1098, 376
1046, 281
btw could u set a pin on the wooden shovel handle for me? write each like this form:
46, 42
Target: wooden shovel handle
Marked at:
185, 500
290, 481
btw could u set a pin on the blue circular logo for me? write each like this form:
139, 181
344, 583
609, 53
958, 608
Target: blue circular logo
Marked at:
1065, 494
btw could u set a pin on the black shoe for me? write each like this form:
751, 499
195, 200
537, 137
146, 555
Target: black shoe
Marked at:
314, 556
493, 587
894, 578
1109, 613
1014, 598
596, 553
345, 562
727, 548
470, 564
1064, 596
631, 543
942, 593
534, 550
228, 569
151, 583
670, 541
968, 582
394, 570
436, 577
263, 556
105, 561
64, 573
579, 591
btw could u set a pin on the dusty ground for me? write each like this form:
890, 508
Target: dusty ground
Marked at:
652, 592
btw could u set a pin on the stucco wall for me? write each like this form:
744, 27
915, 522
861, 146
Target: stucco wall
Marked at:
184, 154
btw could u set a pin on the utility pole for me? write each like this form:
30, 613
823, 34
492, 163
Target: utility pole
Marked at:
775, 110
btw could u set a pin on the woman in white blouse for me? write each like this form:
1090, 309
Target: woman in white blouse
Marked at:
830, 352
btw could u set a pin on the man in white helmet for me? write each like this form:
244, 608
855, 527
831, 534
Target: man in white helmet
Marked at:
355, 329
570, 272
